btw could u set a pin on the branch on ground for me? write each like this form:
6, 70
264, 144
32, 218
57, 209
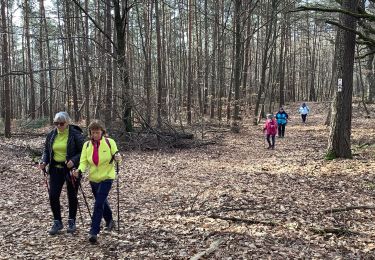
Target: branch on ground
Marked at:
214, 245
336, 231
347, 209
246, 221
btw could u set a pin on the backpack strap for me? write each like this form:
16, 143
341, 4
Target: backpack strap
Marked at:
106, 140
108, 143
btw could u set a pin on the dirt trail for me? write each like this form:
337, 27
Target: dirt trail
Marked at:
235, 197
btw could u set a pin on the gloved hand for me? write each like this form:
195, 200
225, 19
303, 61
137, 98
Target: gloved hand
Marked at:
117, 157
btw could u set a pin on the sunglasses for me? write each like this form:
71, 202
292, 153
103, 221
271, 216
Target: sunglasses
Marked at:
59, 123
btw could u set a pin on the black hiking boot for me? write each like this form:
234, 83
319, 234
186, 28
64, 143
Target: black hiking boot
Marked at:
93, 239
110, 225
71, 226
56, 227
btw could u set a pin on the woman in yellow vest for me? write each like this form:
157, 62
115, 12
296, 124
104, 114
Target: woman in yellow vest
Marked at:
61, 153
97, 156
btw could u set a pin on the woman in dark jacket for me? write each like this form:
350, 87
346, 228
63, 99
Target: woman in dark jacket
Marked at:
62, 152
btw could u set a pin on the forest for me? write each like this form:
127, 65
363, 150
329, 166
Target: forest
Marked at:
184, 87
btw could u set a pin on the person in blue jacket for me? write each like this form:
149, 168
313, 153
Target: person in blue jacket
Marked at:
304, 110
282, 120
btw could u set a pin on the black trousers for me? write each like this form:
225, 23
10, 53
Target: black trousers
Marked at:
304, 118
281, 130
270, 140
57, 178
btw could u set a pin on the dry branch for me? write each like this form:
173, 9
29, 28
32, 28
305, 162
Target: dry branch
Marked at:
336, 231
246, 221
243, 209
214, 245
12, 232
347, 209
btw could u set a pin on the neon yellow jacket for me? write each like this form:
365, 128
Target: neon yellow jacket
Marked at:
104, 170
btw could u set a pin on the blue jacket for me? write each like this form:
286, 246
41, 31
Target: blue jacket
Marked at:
73, 151
281, 118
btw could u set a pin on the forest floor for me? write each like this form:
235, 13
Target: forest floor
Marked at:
231, 200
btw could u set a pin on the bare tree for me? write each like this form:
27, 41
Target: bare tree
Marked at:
339, 144
238, 59
29, 60
108, 47
5, 70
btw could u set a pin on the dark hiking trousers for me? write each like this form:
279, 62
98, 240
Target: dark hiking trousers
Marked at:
57, 178
101, 207
271, 140
281, 130
304, 118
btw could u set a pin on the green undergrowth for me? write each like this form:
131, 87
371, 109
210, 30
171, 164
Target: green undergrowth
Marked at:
330, 155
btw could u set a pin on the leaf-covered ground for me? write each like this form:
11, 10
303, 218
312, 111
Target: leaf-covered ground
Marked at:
231, 200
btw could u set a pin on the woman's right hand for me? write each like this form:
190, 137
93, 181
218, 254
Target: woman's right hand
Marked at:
42, 165
76, 173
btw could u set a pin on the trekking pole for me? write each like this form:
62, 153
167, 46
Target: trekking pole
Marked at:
73, 180
45, 179
84, 197
118, 198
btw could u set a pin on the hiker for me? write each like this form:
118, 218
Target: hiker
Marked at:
304, 111
97, 156
62, 150
282, 120
270, 127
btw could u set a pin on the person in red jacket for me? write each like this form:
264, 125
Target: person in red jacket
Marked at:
270, 128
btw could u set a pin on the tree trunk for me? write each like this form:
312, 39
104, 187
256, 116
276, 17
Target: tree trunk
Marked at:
108, 47
339, 144
147, 19
312, 95
50, 76
221, 53
190, 74
161, 79
246, 64
86, 68
213, 59
207, 57
266, 48
72, 82
238, 60
5, 71
29, 61
370, 75
281, 77
121, 20
43, 88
